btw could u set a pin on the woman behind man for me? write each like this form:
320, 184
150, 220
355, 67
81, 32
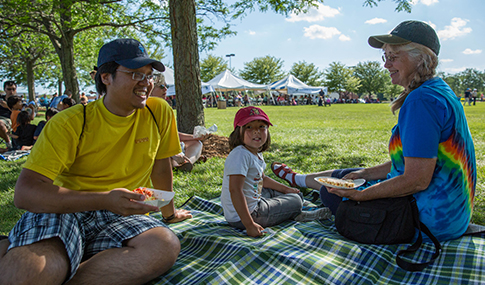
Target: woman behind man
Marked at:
191, 147
431, 148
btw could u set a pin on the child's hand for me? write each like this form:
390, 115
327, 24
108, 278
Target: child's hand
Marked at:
293, 190
255, 230
288, 190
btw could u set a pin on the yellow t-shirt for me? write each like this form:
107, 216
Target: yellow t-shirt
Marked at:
113, 151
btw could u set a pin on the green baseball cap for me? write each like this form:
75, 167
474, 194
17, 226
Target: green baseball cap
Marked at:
407, 32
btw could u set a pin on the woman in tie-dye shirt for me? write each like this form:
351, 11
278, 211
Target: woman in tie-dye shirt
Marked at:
431, 149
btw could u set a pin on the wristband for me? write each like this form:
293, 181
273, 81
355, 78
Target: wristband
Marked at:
165, 220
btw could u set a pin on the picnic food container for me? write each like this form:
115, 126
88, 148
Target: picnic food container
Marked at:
155, 197
339, 183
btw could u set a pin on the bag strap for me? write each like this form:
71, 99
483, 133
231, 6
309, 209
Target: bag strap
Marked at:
84, 121
153, 116
410, 266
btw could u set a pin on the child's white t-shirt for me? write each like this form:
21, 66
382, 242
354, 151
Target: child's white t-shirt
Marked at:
242, 162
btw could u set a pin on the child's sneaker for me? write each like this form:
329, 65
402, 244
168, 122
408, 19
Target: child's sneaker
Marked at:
314, 214
306, 204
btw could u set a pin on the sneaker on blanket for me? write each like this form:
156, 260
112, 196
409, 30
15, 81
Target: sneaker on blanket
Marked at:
314, 214
306, 204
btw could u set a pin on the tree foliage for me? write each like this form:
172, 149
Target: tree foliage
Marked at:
212, 66
469, 78
26, 52
373, 77
336, 77
62, 20
263, 70
308, 73
402, 5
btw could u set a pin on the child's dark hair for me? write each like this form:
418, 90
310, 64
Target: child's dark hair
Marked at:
68, 102
236, 138
50, 113
12, 100
24, 118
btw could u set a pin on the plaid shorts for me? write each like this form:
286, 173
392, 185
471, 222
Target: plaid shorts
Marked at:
84, 234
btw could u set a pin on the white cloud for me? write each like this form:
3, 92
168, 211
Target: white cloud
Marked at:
315, 14
469, 51
455, 70
376, 21
456, 29
252, 33
320, 32
344, 38
425, 2
446, 60
288, 40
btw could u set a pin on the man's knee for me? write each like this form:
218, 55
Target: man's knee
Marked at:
169, 244
44, 262
166, 251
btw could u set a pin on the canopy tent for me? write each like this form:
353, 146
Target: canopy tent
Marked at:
170, 81
228, 81
293, 85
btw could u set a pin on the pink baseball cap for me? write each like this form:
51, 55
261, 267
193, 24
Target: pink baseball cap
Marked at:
249, 114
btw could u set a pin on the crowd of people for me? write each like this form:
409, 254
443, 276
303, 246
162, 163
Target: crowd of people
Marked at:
16, 116
236, 99
84, 224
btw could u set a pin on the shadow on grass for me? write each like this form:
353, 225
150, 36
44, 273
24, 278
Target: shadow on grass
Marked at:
321, 156
11, 171
8, 212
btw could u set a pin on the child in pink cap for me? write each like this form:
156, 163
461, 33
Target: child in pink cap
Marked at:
250, 199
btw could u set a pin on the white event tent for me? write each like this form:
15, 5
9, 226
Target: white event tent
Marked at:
292, 85
170, 81
227, 81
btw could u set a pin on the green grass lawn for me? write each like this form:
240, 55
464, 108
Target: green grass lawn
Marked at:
308, 138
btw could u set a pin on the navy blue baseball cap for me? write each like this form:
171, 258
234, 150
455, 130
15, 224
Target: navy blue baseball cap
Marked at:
407, 32
129, 53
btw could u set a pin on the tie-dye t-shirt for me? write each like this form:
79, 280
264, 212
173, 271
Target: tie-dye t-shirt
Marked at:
432, 124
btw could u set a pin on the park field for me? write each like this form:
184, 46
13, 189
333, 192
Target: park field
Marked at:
308, 138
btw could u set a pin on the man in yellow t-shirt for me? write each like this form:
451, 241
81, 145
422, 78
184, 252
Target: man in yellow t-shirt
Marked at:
83, 223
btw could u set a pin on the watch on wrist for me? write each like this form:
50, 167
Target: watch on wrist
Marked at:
165, 220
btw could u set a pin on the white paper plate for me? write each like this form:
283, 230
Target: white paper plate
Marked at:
357, 182
162, 198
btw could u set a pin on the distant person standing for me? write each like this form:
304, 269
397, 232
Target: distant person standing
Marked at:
474, 96
467, 97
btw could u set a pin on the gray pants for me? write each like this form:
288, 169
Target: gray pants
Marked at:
274, 208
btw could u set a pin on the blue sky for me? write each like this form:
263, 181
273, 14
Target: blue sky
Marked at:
338, 31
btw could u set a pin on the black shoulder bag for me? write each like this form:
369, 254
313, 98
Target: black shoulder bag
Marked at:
385, 221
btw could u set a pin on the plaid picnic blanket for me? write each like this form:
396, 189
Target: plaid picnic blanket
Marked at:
305, 253
14, 154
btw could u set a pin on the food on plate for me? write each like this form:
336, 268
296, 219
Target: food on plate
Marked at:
337, 182
148, 194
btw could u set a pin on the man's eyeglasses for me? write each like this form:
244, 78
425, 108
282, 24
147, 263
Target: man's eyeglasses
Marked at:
163, 86
138, 76
11, 89
390, 58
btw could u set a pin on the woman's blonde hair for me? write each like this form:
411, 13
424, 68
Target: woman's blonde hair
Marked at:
425, 61
160, 79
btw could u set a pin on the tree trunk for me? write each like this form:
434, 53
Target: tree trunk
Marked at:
190, 110
66, 56
30, 80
